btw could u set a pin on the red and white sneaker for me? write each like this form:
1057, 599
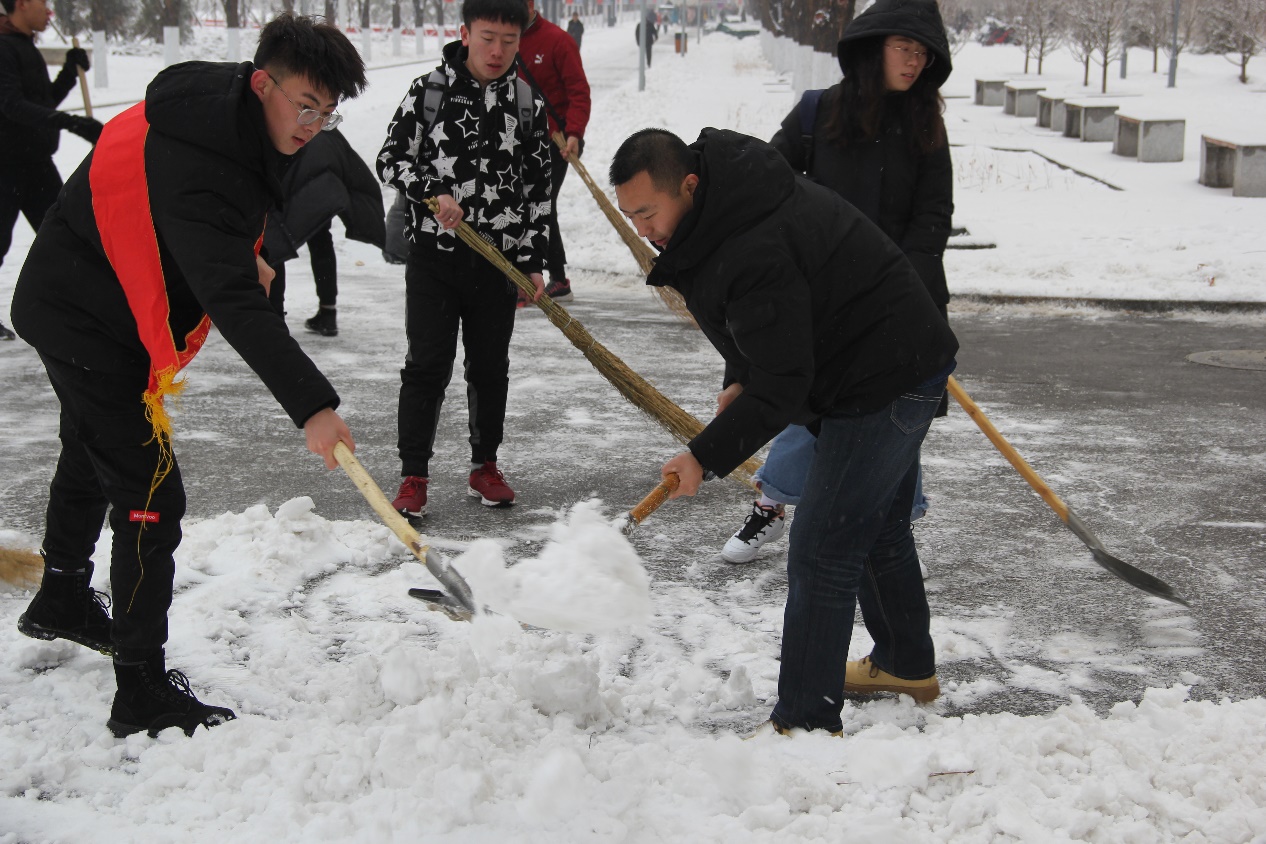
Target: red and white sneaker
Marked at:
411, 499
490, 487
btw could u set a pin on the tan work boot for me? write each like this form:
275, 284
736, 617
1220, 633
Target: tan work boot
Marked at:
863, 677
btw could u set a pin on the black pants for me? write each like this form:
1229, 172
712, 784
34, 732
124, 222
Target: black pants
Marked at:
28, 189
443, 290
108, 460
556, 258
324, 270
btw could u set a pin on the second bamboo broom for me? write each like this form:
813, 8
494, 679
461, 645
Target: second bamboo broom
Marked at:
632, 386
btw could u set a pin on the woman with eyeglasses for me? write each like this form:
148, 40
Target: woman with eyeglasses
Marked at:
877, 138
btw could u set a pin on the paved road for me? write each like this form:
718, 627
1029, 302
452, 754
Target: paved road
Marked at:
1164, 459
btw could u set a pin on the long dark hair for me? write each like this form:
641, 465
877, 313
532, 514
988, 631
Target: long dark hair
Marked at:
859, 114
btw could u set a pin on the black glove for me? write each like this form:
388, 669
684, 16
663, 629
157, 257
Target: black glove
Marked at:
84, 127
77, 56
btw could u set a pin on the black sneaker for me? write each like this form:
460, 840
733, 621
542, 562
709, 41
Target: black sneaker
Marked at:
324, 323
6, 333
151, 699
559, 291
66, 607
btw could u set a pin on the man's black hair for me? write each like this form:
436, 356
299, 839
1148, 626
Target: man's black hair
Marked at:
497, 11
8, 6
300, 45
664, 156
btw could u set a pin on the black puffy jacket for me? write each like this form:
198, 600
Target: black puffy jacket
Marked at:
814, 310
212, 174
28, 98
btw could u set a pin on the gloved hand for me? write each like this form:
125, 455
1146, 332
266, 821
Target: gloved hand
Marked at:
77, 56
84, 127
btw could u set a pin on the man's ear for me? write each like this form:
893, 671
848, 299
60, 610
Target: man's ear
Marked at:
689, 184
259, 83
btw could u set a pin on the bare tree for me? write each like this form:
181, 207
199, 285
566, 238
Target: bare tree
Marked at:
1081, 37
1237, 29
1106, 22
1155, 20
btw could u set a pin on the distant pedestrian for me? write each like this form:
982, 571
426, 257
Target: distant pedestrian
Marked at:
329, 180
650, 25
576, 28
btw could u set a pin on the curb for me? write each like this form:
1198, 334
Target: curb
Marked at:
1144, 305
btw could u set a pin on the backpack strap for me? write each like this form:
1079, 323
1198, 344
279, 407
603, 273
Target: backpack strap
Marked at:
808, 116
432, 95
523, 98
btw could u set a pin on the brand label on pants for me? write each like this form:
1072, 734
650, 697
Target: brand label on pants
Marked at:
143, 516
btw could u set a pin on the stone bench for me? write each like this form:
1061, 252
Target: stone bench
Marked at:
1237, 164
1050, 110
1090, 119
1021, 98
990, 92
1149, 138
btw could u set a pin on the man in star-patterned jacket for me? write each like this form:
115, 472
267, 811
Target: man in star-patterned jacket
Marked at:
486, 169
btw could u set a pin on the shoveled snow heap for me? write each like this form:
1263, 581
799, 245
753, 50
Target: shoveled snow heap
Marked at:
587, 578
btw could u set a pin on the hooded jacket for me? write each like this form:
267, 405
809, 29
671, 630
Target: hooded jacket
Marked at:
28, 99
814, 310
211, 175
328, 180
917, 19
476, 152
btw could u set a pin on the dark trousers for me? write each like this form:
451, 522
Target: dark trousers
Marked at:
442, 291
108, 461
324, 270
29, 190
556, 258
851, 539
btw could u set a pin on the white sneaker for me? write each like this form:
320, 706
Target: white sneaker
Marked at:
763, 525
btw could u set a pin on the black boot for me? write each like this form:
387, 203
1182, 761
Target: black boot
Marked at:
6, 334
151, 699
324, 323
67, 607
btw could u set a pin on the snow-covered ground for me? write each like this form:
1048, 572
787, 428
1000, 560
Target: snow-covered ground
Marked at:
363, 718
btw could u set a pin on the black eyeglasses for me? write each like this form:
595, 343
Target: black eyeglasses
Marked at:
924, 56
308, 116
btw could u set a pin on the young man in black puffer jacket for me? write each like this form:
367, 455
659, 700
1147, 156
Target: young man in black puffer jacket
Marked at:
155, 236
822, 322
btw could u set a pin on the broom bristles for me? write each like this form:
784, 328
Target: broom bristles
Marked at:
640, 392
642, 253
20, 568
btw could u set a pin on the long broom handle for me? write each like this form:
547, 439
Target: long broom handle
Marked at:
83, 80
1013, 457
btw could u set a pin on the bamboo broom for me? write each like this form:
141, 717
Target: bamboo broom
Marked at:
21, 569
632, 386
642, 253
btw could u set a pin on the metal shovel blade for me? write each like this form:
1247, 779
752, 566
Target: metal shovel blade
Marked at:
453, 583
1136, 577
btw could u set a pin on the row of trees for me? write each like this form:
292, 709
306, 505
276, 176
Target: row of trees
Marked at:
1094, 31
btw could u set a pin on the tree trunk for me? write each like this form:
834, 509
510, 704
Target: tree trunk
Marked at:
1085, 78
331, 10
232, 18
171, 13
98, 15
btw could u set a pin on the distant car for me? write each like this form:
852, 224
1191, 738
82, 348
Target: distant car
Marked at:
998, 35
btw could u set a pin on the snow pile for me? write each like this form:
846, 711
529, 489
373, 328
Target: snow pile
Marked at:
587, 578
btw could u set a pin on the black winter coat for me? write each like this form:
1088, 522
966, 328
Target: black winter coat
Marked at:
814, 310
212, 175
908, 195
328, 180
28, 99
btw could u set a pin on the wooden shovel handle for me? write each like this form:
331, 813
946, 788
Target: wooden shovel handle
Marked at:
657, 496
412, 540
1013, 456
83, 81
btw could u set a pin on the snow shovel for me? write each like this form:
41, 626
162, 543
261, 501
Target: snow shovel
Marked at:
1131, 575
651, 503
458, 602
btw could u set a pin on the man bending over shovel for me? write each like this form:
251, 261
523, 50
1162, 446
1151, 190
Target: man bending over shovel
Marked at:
154, 237
822, 322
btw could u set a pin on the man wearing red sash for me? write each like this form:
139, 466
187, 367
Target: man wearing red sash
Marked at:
154, 239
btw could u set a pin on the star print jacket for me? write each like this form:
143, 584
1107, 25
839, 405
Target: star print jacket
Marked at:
475, 151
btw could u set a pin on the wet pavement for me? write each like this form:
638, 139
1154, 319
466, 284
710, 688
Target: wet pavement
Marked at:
1164, 459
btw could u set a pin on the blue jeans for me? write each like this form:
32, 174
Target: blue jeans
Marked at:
783, 474
851, 541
